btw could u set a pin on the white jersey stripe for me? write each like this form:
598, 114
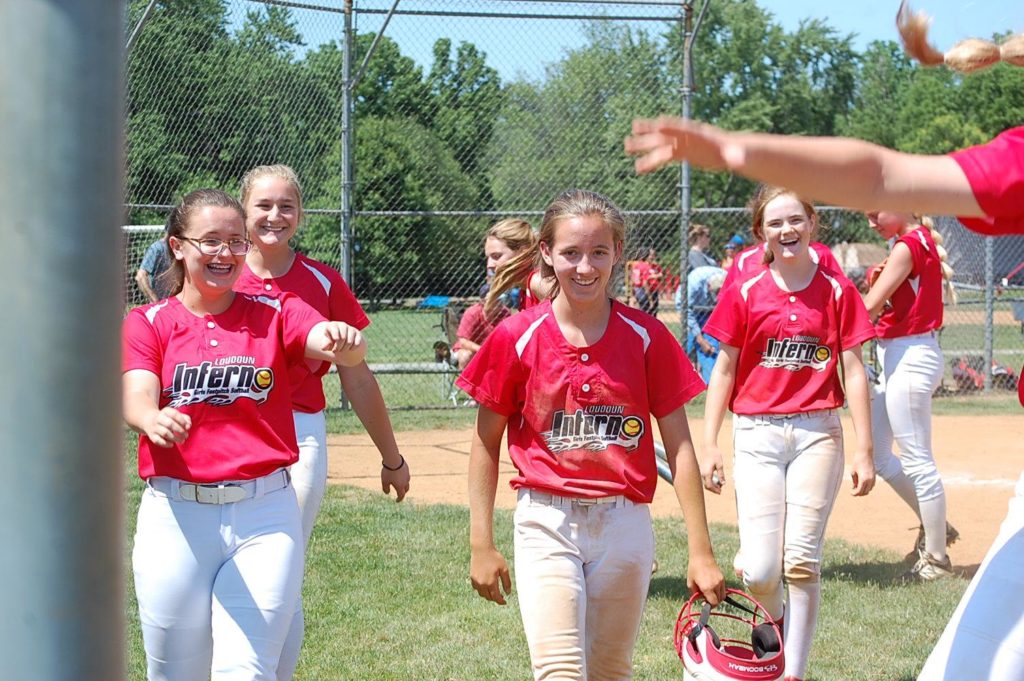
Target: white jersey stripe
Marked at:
745, 289
836, 286
524, 340
268, 301
324, 281
640, 330
152, 312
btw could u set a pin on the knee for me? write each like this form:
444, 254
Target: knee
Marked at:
761, 577
802, 570
887, 466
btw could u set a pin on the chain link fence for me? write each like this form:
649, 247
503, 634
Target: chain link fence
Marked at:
413, 132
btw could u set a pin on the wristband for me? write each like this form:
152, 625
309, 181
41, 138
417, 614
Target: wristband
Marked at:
396, 468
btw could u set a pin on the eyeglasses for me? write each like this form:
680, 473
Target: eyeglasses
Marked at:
216, 246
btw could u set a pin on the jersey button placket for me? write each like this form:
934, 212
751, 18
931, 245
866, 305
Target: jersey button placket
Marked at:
268, 284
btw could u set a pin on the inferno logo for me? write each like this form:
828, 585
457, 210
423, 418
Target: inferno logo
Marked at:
219, 385
796, 353
595, 429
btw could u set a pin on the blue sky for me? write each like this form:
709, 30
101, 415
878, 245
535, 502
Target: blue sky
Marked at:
520, 47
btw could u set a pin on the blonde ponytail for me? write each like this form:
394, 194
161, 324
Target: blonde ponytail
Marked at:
947, 270
966, 56
520, 238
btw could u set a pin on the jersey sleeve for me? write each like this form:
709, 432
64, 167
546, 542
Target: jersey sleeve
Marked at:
298, 319
855, 325
140, 343
995, 171
470, 322
494, 376
728, 321
671, 378
150, 257
344, 306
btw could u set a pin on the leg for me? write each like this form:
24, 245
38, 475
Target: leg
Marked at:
309, 477
759, 479
552, 595
887, 465
812, 483
256, 591
176, 555
617, 573
913, 369
984, 639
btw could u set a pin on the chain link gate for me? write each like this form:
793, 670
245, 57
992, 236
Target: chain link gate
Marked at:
455, 122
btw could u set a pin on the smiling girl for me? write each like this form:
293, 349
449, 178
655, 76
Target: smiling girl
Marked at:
575, 381
789, 334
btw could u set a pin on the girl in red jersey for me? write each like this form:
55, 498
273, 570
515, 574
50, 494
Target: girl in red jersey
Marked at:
575, 380
984, 186
906, 302
272, 198
522, 271
504, 241
218, 546
788, 337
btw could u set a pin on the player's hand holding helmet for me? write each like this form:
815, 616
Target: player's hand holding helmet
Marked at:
721, 645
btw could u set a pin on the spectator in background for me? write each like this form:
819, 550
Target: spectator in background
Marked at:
645, 276
731, 246
149, 276
700, 242
702, 287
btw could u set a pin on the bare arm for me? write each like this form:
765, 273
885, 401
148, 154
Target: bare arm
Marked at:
142, 279
703, 573
723, 376
837, 170
336, 342
487, 566
141, 394
467, 344
362, 389
856, 383
897, 269
542, 288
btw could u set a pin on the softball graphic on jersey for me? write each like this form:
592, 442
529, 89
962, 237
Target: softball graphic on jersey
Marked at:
796, 353
223, 382
594, 429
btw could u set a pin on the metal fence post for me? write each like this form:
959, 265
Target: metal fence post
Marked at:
62, 513
989, 308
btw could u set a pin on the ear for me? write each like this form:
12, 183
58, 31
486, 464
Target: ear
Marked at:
176, 249
619, 246
545, 253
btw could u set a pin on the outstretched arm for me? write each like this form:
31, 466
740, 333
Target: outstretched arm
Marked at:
844, 171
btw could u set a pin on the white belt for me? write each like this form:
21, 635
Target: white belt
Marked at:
763, 418
558, 501
221, 492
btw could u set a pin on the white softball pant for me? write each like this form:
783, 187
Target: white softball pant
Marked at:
309, 478
787, 473
901, 410
984, 640
216, 583
582, 570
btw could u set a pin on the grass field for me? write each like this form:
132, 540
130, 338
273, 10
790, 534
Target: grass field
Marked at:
387, 597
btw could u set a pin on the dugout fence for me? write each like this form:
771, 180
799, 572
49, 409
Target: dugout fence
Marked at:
414, 125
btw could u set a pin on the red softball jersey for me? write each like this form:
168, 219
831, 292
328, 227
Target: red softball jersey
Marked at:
323, 288
229, 373
528, 299
476, 326
790, 342
579, 417
916, 304
750, 261
995, 171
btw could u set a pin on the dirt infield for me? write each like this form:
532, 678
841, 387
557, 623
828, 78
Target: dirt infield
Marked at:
980, 458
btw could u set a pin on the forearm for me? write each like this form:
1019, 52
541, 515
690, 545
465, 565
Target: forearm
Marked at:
690, 494
467, 344
483, 485
139, 409
859, 399
363, 391
717, 400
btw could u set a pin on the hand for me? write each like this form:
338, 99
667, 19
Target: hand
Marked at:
488, 572
712, 471
862, 474
397, 480
661, 141
705, 347
168, 427
340, 337
703, 575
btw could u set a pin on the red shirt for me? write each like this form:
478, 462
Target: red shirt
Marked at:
750, 261
916, 304
995, 171
476, 326
579, 418
528, 299
321, 287
229, 372
645, 275
789, 342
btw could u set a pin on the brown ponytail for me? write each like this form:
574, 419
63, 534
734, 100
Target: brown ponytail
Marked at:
966, 56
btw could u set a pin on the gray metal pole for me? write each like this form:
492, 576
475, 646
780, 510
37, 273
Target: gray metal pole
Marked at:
62, 511
684, 177
347, 181
990, 306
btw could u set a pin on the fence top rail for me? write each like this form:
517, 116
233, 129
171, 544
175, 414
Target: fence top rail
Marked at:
675, 4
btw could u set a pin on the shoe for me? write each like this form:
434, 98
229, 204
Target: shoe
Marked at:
737, 566
654, 566
951, 536
928, 569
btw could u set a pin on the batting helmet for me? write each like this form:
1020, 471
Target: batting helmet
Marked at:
707, 656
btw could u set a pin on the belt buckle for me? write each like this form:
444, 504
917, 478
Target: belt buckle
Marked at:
586, 501
219, 494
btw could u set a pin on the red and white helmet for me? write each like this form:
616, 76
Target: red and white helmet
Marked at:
709, 655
